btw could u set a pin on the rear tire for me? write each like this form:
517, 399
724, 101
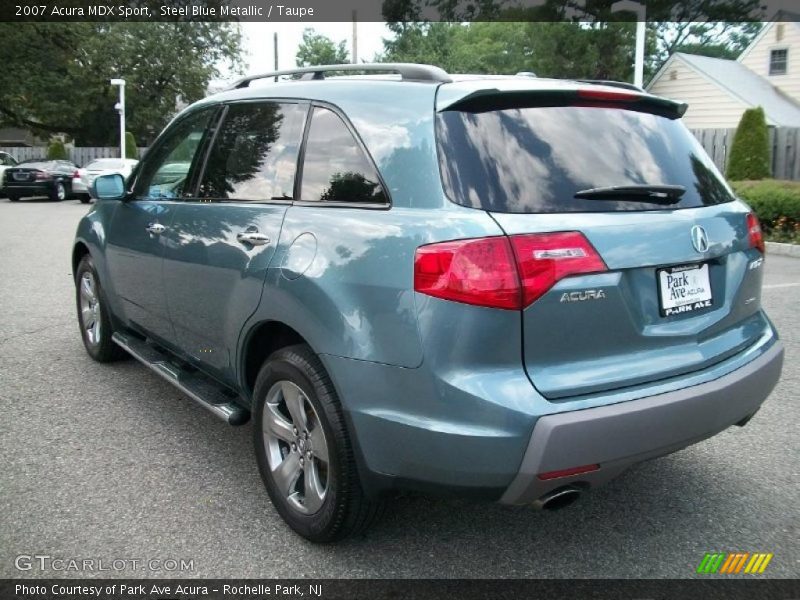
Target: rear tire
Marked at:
93, 316
13, 197
84, 199
303, 449
59, 192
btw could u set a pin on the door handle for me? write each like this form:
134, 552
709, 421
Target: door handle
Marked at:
254, 238
155, 228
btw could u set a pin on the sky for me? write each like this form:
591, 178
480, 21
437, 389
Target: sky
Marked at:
258, 41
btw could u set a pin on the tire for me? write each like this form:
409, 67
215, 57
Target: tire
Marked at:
93, 317
311, 476
59, 192
13, 197
84, 199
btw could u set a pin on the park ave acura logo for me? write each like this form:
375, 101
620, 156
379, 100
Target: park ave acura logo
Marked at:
699, 239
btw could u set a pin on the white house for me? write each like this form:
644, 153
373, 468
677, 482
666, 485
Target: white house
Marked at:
718, 91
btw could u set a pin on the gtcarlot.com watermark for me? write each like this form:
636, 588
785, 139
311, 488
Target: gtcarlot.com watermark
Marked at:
45, 562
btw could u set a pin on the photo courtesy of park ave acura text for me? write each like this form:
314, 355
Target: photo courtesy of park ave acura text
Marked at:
399, 299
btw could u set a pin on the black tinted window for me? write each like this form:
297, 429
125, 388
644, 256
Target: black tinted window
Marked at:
335, 168
165, 171
255, 154
534, 160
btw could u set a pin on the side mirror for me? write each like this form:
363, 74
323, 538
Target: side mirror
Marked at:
108, 187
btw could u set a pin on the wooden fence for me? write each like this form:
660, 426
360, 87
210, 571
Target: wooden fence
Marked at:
80, 156
784, 143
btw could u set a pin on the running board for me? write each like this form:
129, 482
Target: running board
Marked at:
196, 386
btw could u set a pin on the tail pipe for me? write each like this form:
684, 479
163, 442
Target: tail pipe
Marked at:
558, 498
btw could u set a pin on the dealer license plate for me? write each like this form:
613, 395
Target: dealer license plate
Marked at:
684, 289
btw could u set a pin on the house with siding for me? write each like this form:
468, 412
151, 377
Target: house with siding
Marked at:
718, 91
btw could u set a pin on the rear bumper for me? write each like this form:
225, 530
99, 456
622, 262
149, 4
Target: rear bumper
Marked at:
619, 435
29, 189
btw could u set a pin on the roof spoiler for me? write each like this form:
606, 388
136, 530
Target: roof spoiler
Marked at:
628, 99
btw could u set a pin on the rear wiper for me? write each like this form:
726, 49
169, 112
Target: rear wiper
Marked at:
652, 194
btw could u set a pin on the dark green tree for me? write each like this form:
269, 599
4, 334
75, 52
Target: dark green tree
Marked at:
318, 49
749, 157
163, 63
564, 39
131, 151
57, 151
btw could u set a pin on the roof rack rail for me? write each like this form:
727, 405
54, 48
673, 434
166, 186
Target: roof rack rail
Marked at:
407, 71
620, 84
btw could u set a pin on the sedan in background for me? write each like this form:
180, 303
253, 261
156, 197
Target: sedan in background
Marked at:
82, 181
40, 177
6, 160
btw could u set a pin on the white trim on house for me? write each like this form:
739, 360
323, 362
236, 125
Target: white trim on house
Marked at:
704, 75
768, 27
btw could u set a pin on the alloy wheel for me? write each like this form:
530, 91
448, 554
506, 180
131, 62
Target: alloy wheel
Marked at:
297, 451
90, 308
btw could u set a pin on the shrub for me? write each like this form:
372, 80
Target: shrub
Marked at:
57, 151
131, 151
777, 205
749, 157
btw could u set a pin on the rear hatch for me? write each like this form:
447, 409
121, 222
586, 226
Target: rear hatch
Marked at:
658, 273
21, 175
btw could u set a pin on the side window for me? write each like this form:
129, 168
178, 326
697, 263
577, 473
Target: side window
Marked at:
165, 171
335, 168
255, 153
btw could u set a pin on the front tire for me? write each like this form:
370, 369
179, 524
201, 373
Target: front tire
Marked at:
13, 197
93, 316
303, 449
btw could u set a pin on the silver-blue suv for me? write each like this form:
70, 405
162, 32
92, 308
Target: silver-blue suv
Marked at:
504, 287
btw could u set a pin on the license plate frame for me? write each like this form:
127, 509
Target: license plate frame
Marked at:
689, 290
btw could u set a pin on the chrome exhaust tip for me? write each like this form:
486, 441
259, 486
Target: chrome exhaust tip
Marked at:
558, 498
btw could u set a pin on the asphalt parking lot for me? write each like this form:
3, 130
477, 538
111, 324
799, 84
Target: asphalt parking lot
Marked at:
110, 462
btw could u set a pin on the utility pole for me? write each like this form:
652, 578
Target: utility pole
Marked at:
355, 38
640, 10
275, 48
120, 106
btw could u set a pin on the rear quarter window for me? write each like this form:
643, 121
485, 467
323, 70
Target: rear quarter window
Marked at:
534, 160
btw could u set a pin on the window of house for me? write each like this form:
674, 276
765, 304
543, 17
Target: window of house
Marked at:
777, 61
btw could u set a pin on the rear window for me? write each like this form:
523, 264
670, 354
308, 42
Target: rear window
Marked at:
534, 160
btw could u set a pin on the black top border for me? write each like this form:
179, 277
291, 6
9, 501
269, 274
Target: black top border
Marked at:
311, 11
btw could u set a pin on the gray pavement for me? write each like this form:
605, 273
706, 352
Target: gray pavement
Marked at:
110, 462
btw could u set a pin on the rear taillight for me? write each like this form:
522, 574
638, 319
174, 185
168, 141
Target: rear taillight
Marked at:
502, 272
76, 174
477, 271
544, 259
754, 234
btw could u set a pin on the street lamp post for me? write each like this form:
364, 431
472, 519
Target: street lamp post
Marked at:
641, 30
121, 110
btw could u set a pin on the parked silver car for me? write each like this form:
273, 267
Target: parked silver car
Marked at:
6, 161
82, 182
